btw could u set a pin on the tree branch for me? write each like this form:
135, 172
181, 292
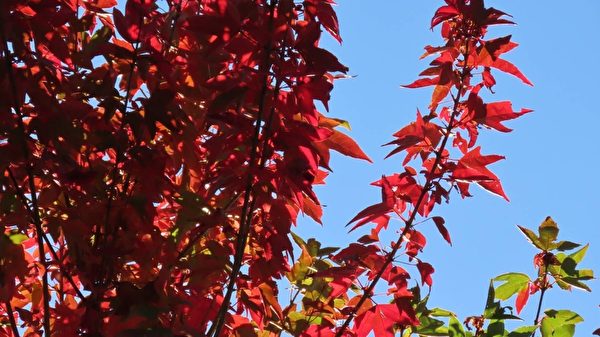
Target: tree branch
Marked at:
37, 221
11, 319
409, 223
55, 256
249, 202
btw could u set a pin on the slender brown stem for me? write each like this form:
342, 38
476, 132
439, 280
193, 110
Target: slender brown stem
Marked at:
249, 202
409, 223
263, 161
119, 151
100, 240
37, 221
11, 319
543, 289
199, 234
55, 256
539, 308
173, 25
77, 36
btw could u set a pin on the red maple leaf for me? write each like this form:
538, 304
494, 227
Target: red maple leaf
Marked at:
472, 168
383, 318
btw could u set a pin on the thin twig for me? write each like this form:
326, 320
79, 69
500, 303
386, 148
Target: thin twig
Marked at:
55, 256
11, 319
249, 203
544, 287
173, 24
409, 223
31, 179
119, 154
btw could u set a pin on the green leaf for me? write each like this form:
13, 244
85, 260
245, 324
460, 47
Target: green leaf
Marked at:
563, 285
580, 254
548, 233
327, 251
439, 312
431, 327
100, 37
531, 237
455, 328
566, 330
17, 238
567, 275
299, 241
576, 283
524, 331
559, 323
301, 267
566, 316
514, 282
566, 245
493, 310
502, 315
495, 329
491, 307
313, 247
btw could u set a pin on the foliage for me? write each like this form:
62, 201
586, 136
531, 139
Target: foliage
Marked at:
155, 155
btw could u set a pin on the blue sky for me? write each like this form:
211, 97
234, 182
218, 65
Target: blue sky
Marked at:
551, 156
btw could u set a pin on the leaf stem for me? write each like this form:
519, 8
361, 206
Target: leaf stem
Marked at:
119, 151
248, 205
11, 319
544, 287
539, 308
409, 223
55, 256
173, 24
37, 221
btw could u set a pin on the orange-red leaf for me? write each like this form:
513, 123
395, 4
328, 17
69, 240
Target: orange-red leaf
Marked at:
497, 112
472, 168
329, 20
388, 201
105, 3
382, 318
522, 298
422, 82
345, 145
510, 68
442, 14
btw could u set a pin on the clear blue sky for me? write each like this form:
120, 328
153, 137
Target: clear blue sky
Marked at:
552, 154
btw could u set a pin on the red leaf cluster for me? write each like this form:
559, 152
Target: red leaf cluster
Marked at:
147, 151
155, 156
444, 144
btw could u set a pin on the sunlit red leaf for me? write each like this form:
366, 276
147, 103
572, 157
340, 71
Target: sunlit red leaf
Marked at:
422, 82
442, 14
510, 68
498, 112
472, 168
522, 298
382, 318
104, 3
345, 145
375, 211
329, 19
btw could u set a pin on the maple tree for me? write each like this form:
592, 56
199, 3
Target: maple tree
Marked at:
155, 155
